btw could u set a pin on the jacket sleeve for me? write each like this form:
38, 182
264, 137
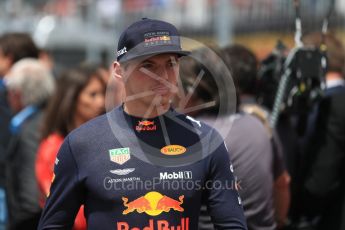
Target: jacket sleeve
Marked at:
66, 193
224, 203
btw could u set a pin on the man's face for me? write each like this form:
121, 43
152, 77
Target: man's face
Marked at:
152, 81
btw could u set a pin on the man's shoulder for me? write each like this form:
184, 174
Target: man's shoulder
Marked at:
97, 128
209, 129
195, 122
92, 128
198, 123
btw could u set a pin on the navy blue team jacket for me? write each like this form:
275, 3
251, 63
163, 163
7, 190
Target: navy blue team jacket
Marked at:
134, 173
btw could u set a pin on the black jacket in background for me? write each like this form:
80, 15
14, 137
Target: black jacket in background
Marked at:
324, 185
21, 185
5, 117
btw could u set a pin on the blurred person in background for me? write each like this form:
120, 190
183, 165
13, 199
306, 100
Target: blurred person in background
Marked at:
243, 65
256, 152
79, 97
335, 77
324, 187
29, 86
13, 47
335, 80
323, 144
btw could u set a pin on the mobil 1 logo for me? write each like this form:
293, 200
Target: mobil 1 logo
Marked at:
185, 175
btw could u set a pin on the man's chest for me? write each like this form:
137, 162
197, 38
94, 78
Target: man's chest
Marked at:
117, 176
125, 188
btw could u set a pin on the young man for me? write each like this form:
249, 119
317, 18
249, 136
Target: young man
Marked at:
143, 165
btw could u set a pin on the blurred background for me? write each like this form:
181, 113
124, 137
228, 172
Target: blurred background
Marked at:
87, 29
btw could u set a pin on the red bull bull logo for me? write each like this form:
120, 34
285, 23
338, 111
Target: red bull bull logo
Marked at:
153, 204
140, 205
146, 126
146, 123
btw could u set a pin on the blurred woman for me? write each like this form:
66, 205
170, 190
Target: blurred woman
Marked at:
79, 97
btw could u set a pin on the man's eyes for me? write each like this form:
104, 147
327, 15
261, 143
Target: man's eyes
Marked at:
147, 65
153, 66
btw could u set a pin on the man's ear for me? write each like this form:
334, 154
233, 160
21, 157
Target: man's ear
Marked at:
117, 70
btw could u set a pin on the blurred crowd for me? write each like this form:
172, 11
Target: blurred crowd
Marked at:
37, 111
286, 181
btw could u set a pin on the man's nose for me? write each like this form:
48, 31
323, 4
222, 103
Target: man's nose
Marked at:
162, 73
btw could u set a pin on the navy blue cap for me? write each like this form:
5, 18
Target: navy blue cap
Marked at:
148, 37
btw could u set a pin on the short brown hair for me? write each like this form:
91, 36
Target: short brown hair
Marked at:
18, 46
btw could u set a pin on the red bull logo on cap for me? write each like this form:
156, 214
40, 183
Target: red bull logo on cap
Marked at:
153, 204
157, 38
